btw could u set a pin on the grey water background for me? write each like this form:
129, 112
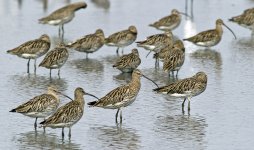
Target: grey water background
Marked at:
221, 117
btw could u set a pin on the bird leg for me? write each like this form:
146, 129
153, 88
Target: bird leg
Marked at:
35, 66
62, 32
28, 65
183, 105
50, 73
188, 104
122, 51
35, 123
117, 115
86, 55
177, 73
121, 117
69, 135
58, 73
62, 132
59, 31
117, 50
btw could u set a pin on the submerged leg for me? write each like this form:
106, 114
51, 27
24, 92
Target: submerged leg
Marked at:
117, 50
50, 73
183, 105
86, 55
35, 123
59, 32
117, 114
121, 117
34, 66
58, 73
177, 73
62, 32
69, 135
188, 104
28, 65
122, 51
62, 132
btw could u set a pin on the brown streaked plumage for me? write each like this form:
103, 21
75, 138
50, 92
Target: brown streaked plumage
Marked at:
210, 37
156, 43
246, 19
186, 88
174, 59
68, 114
129, 62
63, 15
89, 43
55, 59
32, 49
122, 38
40, 106
121, 96
165, 51
169, 22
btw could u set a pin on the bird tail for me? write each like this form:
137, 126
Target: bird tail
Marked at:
13, 110
43, 20
43, 122
160, 90
12, 51
235, 19
91, 104
152, 25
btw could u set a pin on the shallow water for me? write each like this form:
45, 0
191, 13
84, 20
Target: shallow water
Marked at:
221, 117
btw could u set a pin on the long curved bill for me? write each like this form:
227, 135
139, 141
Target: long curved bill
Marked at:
92, 95
185, 14
64, 95
148, 54
230, 30
150, 80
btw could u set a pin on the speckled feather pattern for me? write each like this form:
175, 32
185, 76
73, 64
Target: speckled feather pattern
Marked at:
128, 62
121, 96
122, 38
68, 114
63, 13
34, 48
56, 58
89, 43
191, 86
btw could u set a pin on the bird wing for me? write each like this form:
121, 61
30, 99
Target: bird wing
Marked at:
30, 47
117, 95
203, 36
166, 21
180, 86
172, 60
69, 112
37, 104
117, 37
54, 57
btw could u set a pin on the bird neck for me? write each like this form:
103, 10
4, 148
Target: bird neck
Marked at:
80, 99
54, 94
219, 29
135, 81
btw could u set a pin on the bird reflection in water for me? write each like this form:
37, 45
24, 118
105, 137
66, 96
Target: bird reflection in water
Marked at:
36, 84
179, 128
87, 65
208, 57
187, 7
105, 4
114, 137
123, 77
41, 140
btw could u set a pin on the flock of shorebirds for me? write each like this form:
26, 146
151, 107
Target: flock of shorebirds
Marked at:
168, 50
